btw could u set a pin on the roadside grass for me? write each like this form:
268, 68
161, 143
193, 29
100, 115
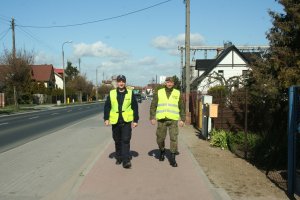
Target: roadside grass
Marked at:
11, 109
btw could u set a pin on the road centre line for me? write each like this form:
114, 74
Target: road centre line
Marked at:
3, 123
34, 117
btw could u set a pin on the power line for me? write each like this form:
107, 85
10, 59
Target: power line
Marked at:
4, 33
34, 37
99, 20
28, 34
4, 18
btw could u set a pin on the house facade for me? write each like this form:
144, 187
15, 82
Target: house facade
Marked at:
43, 74
59, 82
229, 64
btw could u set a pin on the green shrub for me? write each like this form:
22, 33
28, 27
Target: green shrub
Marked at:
219, 139
236, 141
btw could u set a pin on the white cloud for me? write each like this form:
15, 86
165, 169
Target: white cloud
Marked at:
171, 43
109, 61
139, 71
97, 49
195, 39
163, 42
147, 61
43, 58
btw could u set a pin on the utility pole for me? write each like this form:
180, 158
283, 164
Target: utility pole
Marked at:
187, 62
13, 38
96, 84
79, 60
181, 69
14, 58
64, 74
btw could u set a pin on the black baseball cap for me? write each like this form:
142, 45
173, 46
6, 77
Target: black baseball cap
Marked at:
170, 79
121, 78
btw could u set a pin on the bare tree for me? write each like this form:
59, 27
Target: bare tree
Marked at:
17, 74
216, 79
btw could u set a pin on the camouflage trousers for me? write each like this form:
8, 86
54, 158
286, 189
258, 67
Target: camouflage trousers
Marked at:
162, 127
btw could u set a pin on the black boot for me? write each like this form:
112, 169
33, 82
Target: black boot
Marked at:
162, 155
118, 161
127, 164
172, 160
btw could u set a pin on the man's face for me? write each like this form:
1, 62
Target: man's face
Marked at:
169, 84
121, 84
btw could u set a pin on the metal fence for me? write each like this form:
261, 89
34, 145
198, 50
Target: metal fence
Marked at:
294, 141
242, 112
2, 100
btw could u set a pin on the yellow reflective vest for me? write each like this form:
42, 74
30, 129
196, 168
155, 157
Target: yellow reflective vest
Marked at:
167, 107
127, 112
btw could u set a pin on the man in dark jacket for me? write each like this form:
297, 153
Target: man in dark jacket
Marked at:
121, 111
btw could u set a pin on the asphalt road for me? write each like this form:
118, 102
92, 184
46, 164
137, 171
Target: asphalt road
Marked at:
51, 166
19, 129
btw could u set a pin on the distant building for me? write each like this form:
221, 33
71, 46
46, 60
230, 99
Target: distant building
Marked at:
162, 79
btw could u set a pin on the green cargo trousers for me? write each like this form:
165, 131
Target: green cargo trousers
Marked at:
161, 133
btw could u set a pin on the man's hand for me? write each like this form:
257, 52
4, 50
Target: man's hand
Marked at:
181, 123
134, 124
153, 121
106, 122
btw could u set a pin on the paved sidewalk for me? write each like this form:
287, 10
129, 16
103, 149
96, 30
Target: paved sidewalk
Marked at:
148, 179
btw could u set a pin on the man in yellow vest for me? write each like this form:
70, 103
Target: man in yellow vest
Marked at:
121, 111
167, 108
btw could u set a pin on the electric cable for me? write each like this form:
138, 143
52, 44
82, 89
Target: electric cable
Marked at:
96, 21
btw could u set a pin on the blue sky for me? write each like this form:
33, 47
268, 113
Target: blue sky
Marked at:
140, 45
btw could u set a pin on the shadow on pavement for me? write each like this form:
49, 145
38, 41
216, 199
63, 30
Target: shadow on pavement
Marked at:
132, 153
155, 153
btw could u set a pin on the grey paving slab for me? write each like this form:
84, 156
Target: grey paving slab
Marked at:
49, 167
148, 178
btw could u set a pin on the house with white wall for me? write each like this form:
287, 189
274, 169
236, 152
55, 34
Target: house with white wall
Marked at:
228, 64
59, 82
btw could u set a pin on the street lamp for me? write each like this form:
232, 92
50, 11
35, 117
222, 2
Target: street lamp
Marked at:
97, 83
63, 60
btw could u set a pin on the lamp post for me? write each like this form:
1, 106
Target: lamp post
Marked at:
97, 83
64, 76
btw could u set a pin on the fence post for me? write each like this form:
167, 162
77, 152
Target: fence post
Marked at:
291, 141
2, 100
246, 124
222, 106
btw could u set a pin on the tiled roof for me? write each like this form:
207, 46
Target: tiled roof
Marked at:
42, 72
59, 71
204, 64
251, 56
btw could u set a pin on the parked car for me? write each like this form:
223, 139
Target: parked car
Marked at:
138, 98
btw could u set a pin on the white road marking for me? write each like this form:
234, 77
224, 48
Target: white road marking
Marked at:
34, 117
3, 123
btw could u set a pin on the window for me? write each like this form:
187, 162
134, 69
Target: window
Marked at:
221, 72
245, 73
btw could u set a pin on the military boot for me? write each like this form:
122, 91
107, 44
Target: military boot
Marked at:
162, 155
172, 160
